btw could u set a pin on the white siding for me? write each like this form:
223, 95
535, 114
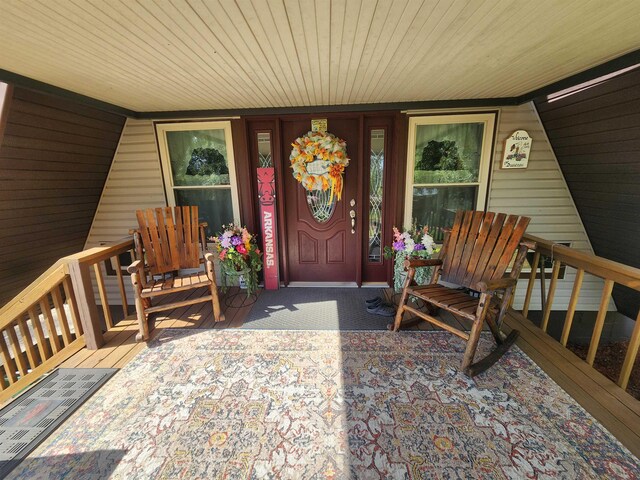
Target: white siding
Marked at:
134, 182
540, 192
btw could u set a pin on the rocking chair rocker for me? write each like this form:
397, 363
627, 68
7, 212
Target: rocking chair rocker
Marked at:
168, 241
475, 255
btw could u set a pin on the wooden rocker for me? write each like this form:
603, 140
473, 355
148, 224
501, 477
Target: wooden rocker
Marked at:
167, 241
475, 255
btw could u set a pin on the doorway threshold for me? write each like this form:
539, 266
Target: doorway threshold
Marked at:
324, 284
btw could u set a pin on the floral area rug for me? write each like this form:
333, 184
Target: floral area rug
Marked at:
238, 404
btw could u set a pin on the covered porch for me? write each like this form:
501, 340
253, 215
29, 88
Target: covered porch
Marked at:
116, 327
430, 108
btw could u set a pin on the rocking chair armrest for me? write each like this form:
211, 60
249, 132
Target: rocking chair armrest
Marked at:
422, 262
497, 284
136, 266
208, 257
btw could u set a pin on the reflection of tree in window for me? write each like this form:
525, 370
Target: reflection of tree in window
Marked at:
207, 161
440, 156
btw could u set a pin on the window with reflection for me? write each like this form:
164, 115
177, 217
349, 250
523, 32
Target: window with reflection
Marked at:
197, 160
447, 168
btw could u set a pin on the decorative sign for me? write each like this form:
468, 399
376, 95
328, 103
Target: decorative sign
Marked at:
267, 196
516, 150
319, 125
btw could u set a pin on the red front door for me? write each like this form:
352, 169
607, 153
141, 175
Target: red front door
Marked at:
322, 251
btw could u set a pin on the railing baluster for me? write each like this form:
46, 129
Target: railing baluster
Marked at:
630, 357
571, 309
552, 292
43, 345
17, 351
597, 329
51, 326
543, 290
28, 343
123, 292
73, 306
532, 281
62, 316
9, 365
103, 295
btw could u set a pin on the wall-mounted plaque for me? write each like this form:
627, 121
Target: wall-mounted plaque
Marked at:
319, 125
516, 150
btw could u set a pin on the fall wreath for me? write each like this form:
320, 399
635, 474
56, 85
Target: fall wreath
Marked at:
318, 160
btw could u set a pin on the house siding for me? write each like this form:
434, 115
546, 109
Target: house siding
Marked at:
135, 181
595, 133
540, 192
54, 159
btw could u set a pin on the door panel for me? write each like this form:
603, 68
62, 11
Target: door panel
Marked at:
321, 252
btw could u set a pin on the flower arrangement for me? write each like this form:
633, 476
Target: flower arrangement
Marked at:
411, 243
239, 254
318, 160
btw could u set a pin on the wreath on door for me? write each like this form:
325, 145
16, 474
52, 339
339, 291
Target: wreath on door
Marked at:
318, 160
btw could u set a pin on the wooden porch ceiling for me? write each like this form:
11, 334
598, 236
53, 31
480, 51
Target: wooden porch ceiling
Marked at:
166, 55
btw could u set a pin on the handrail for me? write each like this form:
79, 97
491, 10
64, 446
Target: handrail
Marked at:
610, 271
598, 266
55, 316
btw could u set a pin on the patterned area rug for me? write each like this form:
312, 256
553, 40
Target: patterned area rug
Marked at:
326, 405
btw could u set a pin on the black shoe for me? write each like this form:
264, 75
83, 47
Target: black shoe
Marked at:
383, 309
372, 302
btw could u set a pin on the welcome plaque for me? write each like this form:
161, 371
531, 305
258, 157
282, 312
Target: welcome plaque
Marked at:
516, 150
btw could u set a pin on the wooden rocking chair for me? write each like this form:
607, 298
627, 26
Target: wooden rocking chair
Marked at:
475, 255
167, 239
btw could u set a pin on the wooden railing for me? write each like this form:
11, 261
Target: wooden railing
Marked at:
611, 272
56, 315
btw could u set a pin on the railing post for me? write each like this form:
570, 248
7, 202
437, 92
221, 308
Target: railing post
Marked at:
86, 303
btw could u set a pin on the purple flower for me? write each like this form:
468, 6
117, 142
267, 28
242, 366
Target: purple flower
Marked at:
397, 246
418, 246
235, 240
225, 242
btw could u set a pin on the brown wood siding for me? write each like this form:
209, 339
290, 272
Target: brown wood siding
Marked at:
595, 134
54, 160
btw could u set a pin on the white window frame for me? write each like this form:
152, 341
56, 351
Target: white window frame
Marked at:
489, 121
161, 134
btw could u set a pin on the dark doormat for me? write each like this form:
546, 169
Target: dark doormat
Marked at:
300, 308
30, 418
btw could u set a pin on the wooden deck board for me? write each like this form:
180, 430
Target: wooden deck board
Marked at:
602, 398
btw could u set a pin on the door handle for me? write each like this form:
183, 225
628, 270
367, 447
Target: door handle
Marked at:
352, 214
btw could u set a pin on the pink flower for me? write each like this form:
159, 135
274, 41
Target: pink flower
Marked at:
241, 249
223, 254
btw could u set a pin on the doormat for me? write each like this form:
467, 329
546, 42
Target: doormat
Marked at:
303, 308
260, 404
30, 418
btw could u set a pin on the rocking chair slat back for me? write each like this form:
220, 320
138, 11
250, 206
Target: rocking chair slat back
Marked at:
170, 238
480, 247
481, 241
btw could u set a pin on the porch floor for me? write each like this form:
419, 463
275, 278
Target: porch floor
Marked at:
616, 410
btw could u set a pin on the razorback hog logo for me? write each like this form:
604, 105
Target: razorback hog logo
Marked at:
266, 186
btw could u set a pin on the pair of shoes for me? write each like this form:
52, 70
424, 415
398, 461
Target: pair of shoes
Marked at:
372, 302
383, 309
